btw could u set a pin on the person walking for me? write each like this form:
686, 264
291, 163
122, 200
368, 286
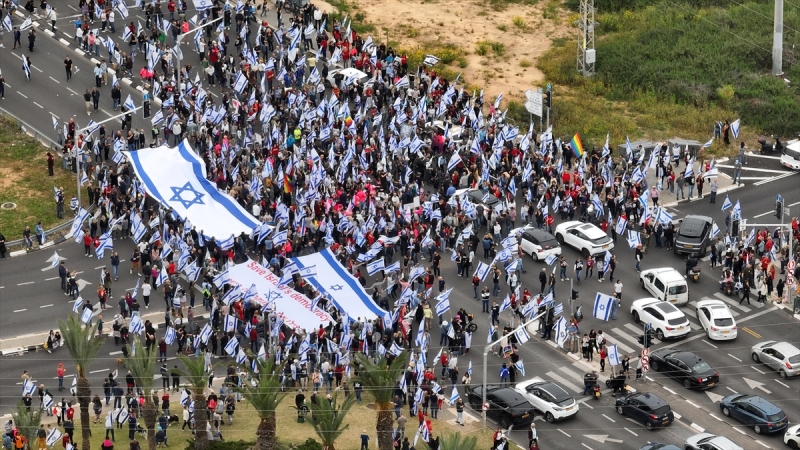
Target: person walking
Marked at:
68, 68
713, 186
31, 40
578, 269
17, 36
87, 99
95, 98
745, 292
2, 86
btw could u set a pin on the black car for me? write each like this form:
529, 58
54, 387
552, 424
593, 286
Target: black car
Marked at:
686, 367
756, 412
647, 408
479, 198
506, 406
694, 235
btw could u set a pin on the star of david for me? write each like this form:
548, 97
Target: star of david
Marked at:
337, 287
187, 188
602, 307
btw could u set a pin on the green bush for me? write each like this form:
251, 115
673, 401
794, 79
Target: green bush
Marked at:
223, 445
310, 444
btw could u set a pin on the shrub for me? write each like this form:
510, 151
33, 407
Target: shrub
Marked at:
525, 63
519, 22
502, 28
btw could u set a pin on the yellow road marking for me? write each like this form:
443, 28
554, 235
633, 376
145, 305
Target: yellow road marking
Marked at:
751, 332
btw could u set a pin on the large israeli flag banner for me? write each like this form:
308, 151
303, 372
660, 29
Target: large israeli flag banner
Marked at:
176, 177
602, 306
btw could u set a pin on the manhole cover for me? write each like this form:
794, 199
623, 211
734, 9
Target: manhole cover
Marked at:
8, 205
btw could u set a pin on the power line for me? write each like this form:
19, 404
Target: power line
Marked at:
768, 17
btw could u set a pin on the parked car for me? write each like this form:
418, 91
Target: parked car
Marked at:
756, 412
792, 436
717, 319
539, 243
506, 405
686, 367
693, 236
666, 319
585, 237
781, 356
646, 408
666, 284
708, 441
549, 398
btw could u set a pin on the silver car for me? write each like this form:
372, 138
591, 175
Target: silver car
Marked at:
707, 441
781, 356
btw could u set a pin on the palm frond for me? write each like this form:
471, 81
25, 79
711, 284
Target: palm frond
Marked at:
458, 442
195, 372
141, 365
263, 391
27, 422
327, 418
81, 342
378, 378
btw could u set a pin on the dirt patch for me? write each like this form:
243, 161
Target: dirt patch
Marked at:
498, 43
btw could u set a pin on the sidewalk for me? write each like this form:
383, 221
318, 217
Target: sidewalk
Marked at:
667, 199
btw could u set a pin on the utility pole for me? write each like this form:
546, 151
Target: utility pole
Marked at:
586, 52
777, 39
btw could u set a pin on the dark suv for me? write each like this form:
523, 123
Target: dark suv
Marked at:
756, 412
506, 406
646, 408
694, 235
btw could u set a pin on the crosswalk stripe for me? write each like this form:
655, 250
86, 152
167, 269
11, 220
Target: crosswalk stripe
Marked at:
615, 340
563, 382
731, 302
574, 375
633, 328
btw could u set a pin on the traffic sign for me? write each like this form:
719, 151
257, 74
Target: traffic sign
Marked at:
534, 103
485, 406
549, 88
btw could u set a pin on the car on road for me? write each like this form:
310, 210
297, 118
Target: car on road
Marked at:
659, 446
478, 197
693, 236
347, 73
688, 368
790, 158
539, 243
666, 319
584, 237
792, 436
756, 412
646, 408
708, 441
506, 406
665, 283
781, 356
717, 319
549, 398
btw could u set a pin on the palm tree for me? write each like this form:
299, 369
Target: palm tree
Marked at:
27, 422
142, 365
378, 378
457, 442
265, 395
327, 418
197, 377
83, 346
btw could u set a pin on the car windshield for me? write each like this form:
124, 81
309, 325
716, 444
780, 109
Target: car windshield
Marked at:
661, 410
693, 228
677, 321
565, 402
675, 290
551, 243
601, 240
724, 322
701, 366
795, 359
794, 154
776, 417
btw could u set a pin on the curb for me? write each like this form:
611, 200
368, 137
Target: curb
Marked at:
692, 200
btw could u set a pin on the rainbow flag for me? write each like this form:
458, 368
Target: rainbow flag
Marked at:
577, 145
287, 184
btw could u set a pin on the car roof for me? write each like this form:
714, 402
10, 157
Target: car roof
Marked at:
693, 225
652, 400
667, 274
687, 357
665, 307
760, 403
555, 390
786, 348
724, 443
539, 234
716, 306
592, 231
509, 395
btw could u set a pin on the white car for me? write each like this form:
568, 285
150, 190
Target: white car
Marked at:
665, 283
538, 243
792, 436
585, 237
716, 318
708, 441
345, 74
549, 398
666, 320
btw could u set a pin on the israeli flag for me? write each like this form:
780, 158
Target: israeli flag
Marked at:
222, 278
613, 355
56, 260
621, 225
7, 23
663, 216
86, 317
558, 309
482, 270
53, 436
628, 147
230, 347
169, 335
77, 305
28, 388
251, 293
442, 307
136, 326
205, 333
163, 276
734, 127
522, 335
520, 366
396, 350
727, 203
561, 331
176, 178
550, 260
230, 323
241, 357
129, 101
714, 229
737, 210
602, 306
454, 160
634, 239
454, 396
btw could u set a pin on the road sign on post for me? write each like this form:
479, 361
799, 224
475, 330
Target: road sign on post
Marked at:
534, 103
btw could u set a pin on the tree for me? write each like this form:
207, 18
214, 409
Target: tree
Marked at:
264, 393
379, 378
457, 442
83, 345
27, 422
327, 418
197, 377
142, 365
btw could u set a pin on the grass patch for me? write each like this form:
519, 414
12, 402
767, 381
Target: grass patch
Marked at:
343, 7
24, 181
519, 22
483, 48
503, 28
501, 5
525, 63
551, 11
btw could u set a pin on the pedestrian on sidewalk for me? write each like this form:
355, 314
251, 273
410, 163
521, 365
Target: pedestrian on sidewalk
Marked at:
713, 186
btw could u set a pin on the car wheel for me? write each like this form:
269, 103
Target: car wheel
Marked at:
654, 364
648, 425
793, 444
642, 283
755, 357
620, 411
505, 423
636, 316
585, 252
784, 374
660, 334
757, 429
560, 238
549, 417
533, 255
687, 384
726, 412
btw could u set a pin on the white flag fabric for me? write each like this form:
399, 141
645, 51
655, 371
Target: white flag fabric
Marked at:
176, 177
613, 355
454, 396
735, 126
727, 203
602, 306
56, 260
375, 266
482, 270
443, 307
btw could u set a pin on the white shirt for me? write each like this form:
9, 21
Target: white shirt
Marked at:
618, 287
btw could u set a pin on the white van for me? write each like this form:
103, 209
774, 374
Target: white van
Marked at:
666, 284
791, 155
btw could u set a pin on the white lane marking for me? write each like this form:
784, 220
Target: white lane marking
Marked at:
63, 41
563, 381
609, 418
763, 444
99, 370
46, 306
20, 93
51, 279
689, 402
590, 448
55, 80
763, 214
739, 430
759, 183
715, 417
40, 106
709, 343
757, 370
698, 427
20, 310
782, 384
73, 8
670, 390
728, 388
631, 432
734, 357
564, 432
80, 52
677, 416
51, 113
31, 282
70, 89
40, 70
115, 353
